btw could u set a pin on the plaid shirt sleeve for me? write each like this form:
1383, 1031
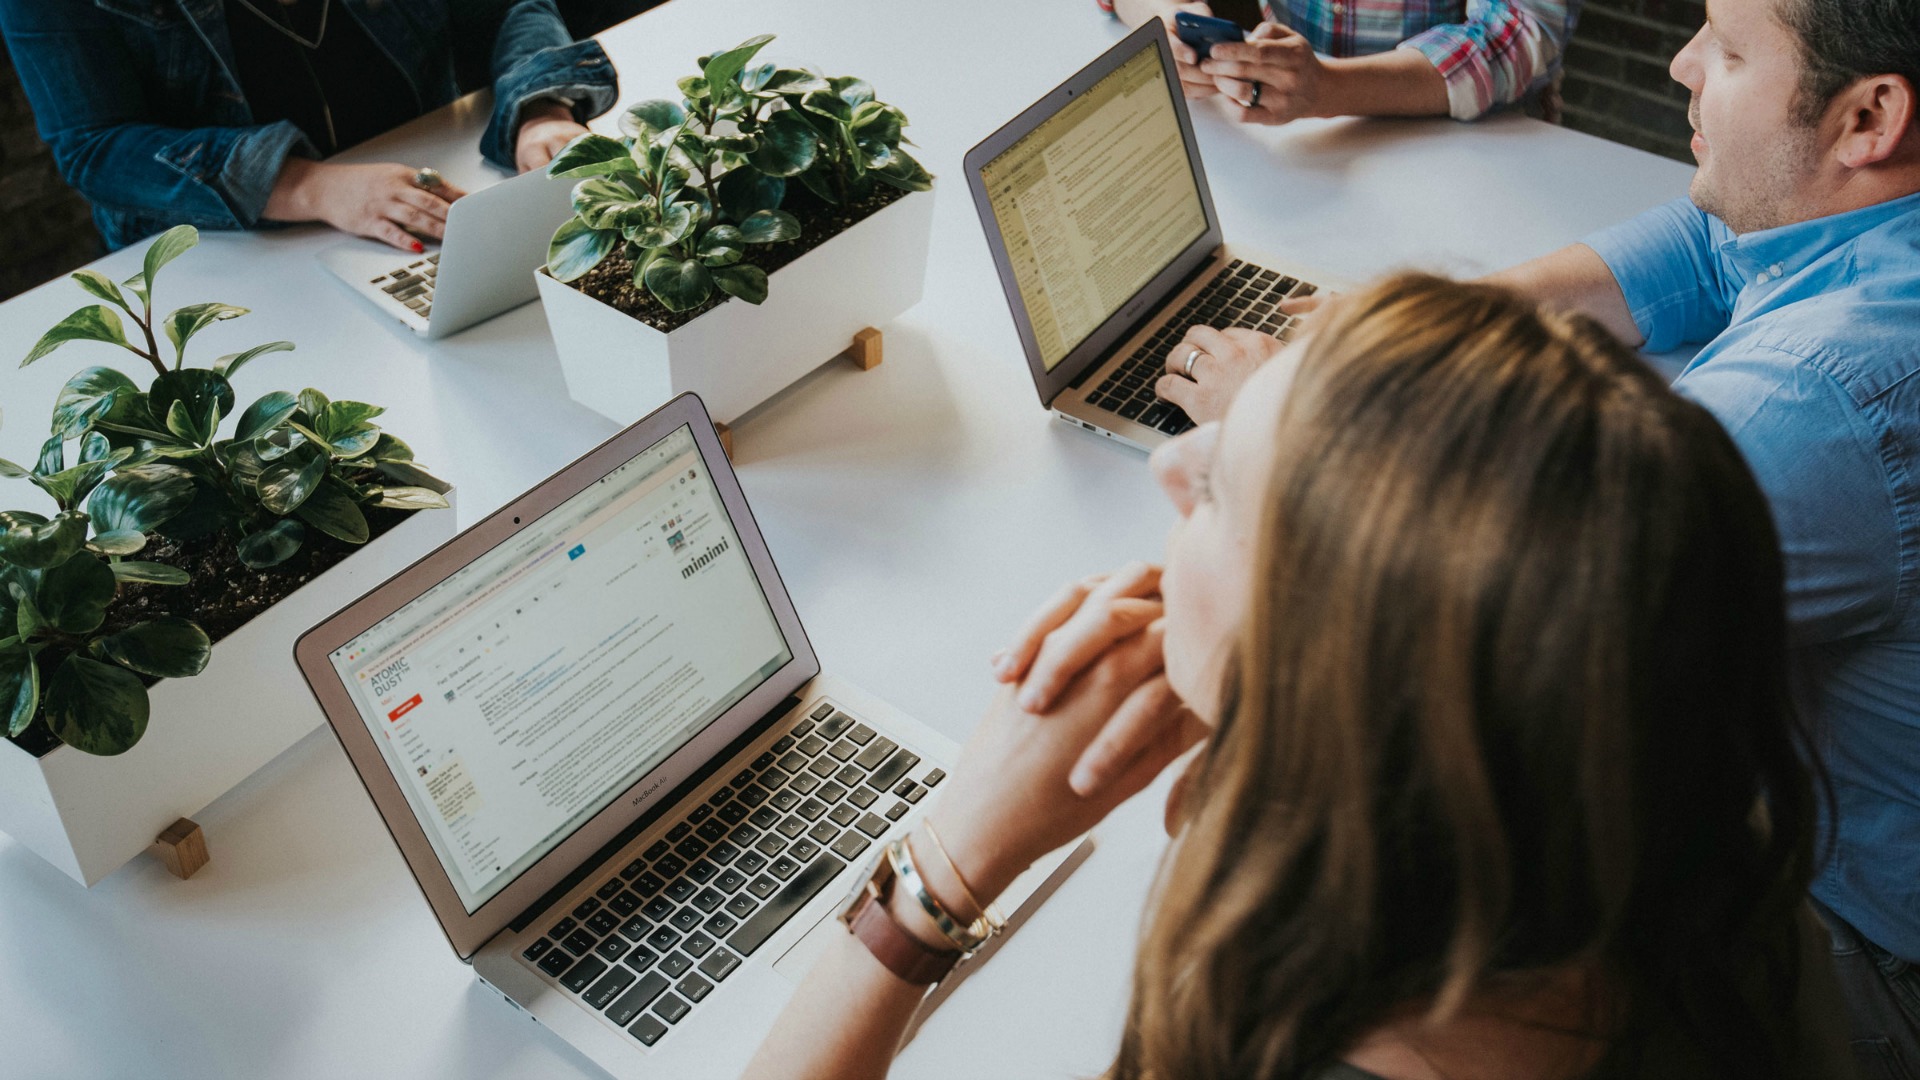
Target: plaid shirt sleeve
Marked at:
1504, 49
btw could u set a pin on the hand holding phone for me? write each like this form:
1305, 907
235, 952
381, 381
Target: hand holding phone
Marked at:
1202, 32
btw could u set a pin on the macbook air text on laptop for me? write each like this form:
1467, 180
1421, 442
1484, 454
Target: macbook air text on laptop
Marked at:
602, 741
1102, 227
495, 237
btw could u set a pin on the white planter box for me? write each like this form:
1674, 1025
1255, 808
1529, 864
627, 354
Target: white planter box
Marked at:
89, 815
739, 354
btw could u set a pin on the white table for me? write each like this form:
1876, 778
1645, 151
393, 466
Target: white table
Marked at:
916, 512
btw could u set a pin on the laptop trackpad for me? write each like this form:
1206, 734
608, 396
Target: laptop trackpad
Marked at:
795, 961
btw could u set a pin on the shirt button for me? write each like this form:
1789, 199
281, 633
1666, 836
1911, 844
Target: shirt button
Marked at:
1777, 270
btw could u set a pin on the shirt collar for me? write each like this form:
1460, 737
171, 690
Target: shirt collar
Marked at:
1772, 254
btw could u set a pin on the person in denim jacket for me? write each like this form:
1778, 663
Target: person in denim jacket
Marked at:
164, 112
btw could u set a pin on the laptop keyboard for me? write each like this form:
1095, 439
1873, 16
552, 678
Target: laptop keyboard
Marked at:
412, 284
652, 941
1242, 295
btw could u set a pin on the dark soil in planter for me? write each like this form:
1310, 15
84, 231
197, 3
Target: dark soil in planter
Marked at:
222, 597
820, 221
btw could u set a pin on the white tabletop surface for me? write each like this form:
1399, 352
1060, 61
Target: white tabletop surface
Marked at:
916, 512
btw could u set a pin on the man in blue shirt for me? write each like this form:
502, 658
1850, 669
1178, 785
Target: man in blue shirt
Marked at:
1797, 262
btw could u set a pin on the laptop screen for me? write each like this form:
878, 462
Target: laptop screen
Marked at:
520, 696
1095, 202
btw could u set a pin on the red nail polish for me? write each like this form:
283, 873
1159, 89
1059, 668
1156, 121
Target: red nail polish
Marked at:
418, 247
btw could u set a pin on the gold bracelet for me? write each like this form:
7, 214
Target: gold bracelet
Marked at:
966, 938
987, 911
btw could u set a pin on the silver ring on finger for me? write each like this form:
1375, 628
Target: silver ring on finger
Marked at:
427, 178
1253, 101
1187, 369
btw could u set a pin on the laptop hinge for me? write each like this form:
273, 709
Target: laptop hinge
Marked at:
1139, 324
659, 809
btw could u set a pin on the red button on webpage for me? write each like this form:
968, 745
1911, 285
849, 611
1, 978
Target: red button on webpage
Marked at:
405, 707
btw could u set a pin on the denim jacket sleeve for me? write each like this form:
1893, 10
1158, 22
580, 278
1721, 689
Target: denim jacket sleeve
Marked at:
91, 108
533, 56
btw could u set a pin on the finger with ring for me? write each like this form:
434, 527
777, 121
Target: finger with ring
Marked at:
427, 178
1253, 102
1192, 356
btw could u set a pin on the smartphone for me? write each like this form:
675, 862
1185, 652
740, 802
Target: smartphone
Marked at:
1203, 32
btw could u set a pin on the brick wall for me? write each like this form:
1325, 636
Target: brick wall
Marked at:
45, 229
1617, 84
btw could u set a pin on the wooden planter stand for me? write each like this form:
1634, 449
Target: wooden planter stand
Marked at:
865, 352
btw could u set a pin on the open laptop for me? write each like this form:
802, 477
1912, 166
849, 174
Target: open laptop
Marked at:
1101, 224
602, 741
496, 236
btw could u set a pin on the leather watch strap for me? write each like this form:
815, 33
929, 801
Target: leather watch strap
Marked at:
897, 950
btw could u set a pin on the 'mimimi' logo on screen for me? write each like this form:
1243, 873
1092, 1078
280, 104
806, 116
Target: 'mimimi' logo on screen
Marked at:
704, 558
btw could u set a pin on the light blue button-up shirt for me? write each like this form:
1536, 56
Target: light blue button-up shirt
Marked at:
1812, 364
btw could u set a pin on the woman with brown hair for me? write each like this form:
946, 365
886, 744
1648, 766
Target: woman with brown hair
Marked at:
1502, 782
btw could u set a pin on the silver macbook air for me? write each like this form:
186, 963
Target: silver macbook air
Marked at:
1101, 224
496, 236
605, 748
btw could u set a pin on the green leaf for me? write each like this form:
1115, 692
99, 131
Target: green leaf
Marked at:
577, 249
749, 283
679, 283
694, 87
197, 388
69, 487
287, 483
10, 471
169, 246
829, 104
279, 442
345, 418
409, 474
649, 118
103, 287
149, 573
724, 68
332, 510
592, 155
905, 173
95, 323
126, 419
788, 145
96, 708
312, 402
388, 448
181, 325
168, 647
208, 511
852, 90
722, 246
19, 688
140, 498
272, 545
32, 542
355, 443
795, 82
820, 185
768, 226
185, 426
120, 542
264, 415
53, 457
412, 498
672, 227
602, 202
877, 121
230, 364
74, 595
756, 78
746, 190
95, 447
137, 285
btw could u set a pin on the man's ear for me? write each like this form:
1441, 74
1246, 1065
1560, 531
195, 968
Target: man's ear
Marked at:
1879, 120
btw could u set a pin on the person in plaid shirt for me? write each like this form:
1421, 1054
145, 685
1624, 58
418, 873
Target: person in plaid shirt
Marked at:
1460, 58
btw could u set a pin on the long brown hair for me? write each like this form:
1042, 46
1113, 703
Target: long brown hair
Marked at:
1511, 698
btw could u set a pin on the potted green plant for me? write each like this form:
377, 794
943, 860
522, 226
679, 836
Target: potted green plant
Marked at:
735, 239
148, 606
